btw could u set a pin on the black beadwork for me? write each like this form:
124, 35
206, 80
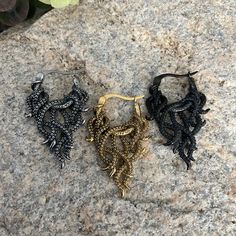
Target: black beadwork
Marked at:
58, 134
178, 122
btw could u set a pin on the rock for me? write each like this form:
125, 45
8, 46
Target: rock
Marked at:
123, 44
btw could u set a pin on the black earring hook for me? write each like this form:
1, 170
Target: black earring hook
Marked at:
157, 79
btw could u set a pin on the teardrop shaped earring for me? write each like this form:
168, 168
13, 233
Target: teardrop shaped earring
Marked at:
118, 146
178, 122
47, 114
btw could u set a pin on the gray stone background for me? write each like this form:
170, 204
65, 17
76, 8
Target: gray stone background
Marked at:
123, 44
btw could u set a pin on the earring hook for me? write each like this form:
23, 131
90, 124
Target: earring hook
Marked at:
137, 106
102, 100
157, 79
39, 78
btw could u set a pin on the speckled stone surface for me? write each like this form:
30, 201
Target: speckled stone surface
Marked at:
123, 45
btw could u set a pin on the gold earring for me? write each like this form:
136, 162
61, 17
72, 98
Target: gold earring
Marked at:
118, 146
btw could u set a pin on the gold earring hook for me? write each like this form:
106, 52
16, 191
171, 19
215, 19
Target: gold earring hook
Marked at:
102, 100
137, 106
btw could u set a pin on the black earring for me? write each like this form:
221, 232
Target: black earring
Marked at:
178, 122
57, 119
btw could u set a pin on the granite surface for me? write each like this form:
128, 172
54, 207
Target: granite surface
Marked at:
122, 45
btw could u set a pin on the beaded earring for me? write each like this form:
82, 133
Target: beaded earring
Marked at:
178, 122
47, 114
118, 146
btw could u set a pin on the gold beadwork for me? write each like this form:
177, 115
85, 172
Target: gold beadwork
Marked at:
118, 146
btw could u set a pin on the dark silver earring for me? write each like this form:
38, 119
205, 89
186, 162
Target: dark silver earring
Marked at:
178, 122
57, 119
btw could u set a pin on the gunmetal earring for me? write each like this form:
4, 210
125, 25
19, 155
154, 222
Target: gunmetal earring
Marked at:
178, 122
57, 132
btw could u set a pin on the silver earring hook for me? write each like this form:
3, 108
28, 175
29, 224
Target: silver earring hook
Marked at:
39, 78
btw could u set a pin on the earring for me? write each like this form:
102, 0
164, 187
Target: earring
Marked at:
178, 122
57, 119
118, 146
